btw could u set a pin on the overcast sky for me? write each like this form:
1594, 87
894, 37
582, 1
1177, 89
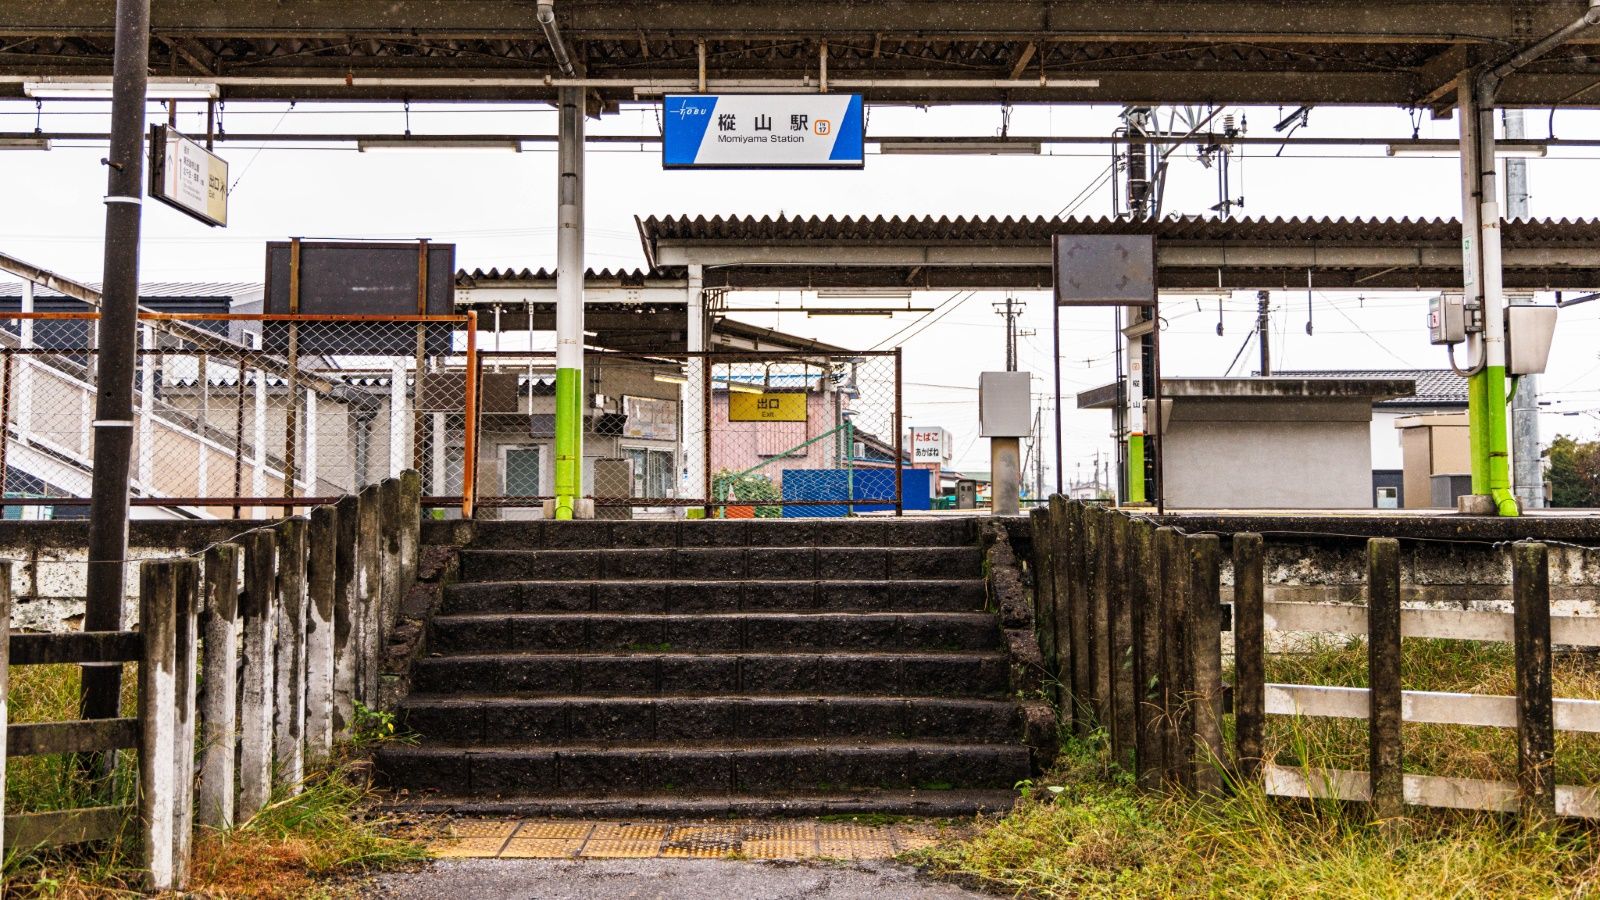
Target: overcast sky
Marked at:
499, 209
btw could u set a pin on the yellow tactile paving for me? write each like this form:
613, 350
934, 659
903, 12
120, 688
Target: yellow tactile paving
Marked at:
629, 831
552, 830
541, 848
761, 849
634, 849
482, 828
787, 839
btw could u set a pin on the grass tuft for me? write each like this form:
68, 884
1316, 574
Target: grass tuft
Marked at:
1087, 831
302, 845
1101, 837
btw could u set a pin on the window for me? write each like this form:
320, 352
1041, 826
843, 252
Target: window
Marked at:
522, 471
1388, 498
655, 472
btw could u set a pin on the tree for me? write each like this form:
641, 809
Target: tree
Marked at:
1574, 473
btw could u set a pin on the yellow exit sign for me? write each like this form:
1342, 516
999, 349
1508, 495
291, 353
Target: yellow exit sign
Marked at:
767, 407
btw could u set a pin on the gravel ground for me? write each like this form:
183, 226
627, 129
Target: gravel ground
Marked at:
660, 879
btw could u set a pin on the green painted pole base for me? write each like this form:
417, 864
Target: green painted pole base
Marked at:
1487, 414
569, 441
1136, 468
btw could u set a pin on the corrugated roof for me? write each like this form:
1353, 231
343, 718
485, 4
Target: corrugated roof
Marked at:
621, 276
930, 229
155, 290
1435, 387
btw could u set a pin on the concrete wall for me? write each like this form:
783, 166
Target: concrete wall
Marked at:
49, 564
1270, 453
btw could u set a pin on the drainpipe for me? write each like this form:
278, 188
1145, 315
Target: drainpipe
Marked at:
546, 15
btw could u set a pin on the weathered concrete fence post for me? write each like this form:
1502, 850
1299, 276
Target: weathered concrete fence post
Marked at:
166, 596
367, 616
289, 710
321, 588
1383, 678
219, 687
5, 681
346, 631
1536, 726
1205, 661
186, 656
258, 611
1249, 653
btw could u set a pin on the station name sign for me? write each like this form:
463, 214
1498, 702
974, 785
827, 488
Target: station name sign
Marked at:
763, 131
187, 177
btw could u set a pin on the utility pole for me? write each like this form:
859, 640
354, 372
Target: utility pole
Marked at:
1264, 331
1011, 310
1527, 475
119, 323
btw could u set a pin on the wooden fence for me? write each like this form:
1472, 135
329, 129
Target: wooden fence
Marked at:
251, 657
1131, 614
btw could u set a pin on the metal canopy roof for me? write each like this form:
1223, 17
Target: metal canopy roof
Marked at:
1196, 51
977, 253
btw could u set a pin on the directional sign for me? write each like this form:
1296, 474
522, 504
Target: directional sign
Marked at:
762, 131
767, 407
187, 177
1105, 270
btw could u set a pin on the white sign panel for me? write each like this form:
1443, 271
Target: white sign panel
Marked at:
184, 175
929, 446
763, 131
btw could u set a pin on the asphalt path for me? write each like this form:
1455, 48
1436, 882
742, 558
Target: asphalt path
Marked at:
659, 879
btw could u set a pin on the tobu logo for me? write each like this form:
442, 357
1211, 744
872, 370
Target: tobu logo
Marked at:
823, 127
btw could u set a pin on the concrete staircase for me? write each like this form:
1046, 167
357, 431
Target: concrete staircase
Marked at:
713, 667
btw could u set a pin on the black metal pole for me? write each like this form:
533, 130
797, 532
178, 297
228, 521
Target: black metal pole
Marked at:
1055, 318
119, 321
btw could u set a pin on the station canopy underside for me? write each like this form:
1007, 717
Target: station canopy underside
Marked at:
1197, 254
1388, 52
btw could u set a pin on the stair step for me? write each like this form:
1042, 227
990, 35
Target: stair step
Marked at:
455, 719
702, 768
723, 564
583, 535
666, 596
725, 632
657, 674
953, 803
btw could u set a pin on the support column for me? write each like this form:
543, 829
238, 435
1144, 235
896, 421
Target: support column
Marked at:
569, 307
690, 399
1487, 414
119, 318
1005, 462
1136, 453
1527, 475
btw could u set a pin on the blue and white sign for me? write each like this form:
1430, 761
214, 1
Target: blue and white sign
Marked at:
763, 131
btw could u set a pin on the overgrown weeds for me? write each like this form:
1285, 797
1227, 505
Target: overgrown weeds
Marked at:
302, 844
1086, 831
1101, 837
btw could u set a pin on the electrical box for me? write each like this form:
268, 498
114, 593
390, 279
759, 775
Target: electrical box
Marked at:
1529, 331
1005, 404
1447, 319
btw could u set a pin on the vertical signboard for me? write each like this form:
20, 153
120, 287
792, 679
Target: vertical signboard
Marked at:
763, 131
187, 177
929, 446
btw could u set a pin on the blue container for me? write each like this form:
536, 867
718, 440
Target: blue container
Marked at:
873, 491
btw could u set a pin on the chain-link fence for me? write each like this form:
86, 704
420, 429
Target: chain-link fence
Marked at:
737, 435
246, 416
239, 415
